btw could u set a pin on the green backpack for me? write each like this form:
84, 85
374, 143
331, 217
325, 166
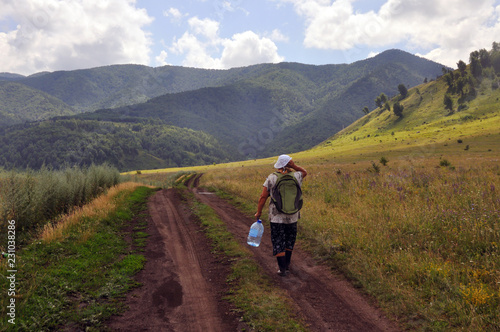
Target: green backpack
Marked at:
287, 195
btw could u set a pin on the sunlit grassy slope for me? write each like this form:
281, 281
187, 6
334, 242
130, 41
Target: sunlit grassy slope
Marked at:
426, 130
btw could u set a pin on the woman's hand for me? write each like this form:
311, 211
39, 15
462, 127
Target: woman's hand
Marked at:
292, 165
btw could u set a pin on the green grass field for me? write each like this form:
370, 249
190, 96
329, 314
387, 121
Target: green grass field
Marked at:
77, 279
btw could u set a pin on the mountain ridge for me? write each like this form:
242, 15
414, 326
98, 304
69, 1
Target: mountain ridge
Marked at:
250, 112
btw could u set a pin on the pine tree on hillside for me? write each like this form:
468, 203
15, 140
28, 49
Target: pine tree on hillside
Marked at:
448, 102
403, 90
398, 109
475, 64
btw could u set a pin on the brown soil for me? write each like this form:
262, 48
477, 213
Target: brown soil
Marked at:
184, 284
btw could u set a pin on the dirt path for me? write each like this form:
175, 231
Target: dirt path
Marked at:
327, 302
183, 284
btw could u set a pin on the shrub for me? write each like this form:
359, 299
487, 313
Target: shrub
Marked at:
444, 163
375, 168
384, 161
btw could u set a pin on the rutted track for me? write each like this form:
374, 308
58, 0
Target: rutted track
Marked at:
326, 301
182, 284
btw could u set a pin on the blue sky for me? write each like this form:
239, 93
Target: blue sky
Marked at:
49, 35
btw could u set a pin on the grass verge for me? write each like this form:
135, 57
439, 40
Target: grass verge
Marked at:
76, 282
262, 306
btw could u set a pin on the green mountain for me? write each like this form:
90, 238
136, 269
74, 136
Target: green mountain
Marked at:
127, 146
20, 103
458, 115
285, 107
10, 76
227, 115
381, 74
119, 85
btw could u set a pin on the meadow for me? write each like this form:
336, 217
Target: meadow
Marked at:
423, 239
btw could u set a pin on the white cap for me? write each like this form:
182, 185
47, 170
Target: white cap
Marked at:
283, 160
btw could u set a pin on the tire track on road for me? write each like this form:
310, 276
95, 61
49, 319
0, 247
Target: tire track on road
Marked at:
327, 301
197, 307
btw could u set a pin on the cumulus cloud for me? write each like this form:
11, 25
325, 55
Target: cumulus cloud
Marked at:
55, 35
174, 14
203, 47
445, 29
206, 27
161, 59
277, 36
248, 48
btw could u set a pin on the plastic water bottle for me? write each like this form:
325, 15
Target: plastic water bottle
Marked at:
255, 234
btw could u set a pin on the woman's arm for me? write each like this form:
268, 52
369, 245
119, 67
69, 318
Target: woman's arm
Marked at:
296, 168
262, 201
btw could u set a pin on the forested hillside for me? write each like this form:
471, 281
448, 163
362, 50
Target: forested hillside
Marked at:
240, 113
341, 109
20, 103
291, 107
127, 146
119, 85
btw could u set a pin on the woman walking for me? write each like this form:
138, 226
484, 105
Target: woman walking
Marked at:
282, 218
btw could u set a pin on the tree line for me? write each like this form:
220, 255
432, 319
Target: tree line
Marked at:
462, 82
126, 146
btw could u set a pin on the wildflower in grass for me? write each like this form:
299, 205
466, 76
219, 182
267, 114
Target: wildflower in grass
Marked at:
476, 295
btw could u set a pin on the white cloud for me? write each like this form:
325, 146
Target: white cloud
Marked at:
197, 53
204, 48
55, 35
277, 36
161, 60
447, 29
206, 27
227, 6
173, 13
248, 48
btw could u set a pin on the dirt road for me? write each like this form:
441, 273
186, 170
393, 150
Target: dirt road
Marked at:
183, 284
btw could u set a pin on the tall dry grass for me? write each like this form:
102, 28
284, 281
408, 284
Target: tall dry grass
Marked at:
98, 208
424, 240
32, 198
